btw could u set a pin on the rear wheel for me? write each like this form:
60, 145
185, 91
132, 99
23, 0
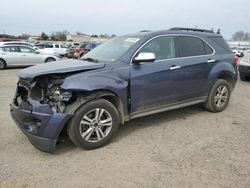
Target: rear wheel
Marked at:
219, 96
94, 124
2, 64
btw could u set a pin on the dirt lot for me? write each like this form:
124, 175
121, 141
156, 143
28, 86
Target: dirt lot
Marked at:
188, 147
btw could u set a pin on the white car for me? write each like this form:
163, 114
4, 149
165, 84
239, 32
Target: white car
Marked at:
18, 43
21, 55
238, 52
244, 67
52, 48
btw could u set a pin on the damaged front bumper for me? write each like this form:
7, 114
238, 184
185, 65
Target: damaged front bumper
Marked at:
39, 123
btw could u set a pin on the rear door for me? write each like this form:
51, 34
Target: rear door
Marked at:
196, 59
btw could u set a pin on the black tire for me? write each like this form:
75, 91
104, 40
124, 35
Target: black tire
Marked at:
243, 78
50, 59
80, 55
2, 64
212, 104
75, 125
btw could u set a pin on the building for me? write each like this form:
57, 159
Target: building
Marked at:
85, 38
239, 44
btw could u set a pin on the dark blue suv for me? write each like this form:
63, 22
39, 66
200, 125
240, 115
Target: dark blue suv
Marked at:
126, 77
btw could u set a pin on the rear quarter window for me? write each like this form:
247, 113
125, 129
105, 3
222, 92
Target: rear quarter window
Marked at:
221, 42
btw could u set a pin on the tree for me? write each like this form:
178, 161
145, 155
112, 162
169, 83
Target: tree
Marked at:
23, 36
59, 35
239, 35
44, 36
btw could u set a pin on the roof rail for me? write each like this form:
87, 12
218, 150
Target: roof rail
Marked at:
190, 29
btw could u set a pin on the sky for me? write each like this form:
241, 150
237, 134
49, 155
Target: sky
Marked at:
121, 17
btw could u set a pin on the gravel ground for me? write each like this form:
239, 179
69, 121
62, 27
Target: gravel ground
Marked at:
189, 147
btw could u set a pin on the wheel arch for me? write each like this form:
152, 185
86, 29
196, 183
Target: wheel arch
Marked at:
86, 96
3, 61
46, 60
229, 78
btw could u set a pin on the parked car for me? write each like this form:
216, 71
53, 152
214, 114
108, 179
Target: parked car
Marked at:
18, 43
238, 52
90, 46
20, 55
52, 48
74, 51
125, 78
244, 67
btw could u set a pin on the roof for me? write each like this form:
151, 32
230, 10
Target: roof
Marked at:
183, 31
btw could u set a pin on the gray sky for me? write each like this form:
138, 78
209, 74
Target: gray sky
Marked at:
121, 17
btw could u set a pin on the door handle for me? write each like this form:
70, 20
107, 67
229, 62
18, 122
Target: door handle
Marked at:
211, 61
175, 67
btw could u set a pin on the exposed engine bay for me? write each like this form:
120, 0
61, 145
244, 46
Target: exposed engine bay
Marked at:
45, 90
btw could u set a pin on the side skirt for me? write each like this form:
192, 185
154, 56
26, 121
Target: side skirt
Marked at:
167, 107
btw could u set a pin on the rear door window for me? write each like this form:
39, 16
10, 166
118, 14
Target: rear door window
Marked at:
192, 46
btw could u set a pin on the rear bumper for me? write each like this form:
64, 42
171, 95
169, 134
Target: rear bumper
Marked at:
41, 127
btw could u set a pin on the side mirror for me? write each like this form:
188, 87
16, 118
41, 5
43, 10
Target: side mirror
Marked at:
37, 52
144, 57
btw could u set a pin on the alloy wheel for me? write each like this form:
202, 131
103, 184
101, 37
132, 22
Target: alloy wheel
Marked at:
95, 125
221, 96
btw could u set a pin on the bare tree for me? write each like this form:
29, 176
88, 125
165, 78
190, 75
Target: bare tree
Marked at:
44, 36
59, 35
239, 35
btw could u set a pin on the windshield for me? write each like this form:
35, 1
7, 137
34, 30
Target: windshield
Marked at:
112, 50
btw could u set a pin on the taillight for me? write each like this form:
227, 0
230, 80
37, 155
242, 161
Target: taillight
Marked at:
236, 58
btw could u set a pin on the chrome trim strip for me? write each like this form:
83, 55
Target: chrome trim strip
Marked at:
172, 35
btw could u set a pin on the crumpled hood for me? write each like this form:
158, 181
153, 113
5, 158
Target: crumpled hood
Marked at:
58, 67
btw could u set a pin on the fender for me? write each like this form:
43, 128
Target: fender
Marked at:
221, 70
97, 86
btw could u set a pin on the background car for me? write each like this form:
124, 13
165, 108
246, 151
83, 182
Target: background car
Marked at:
238, 52
19, 43
52, 48
244, 67
90, 46
21, 55
74, 50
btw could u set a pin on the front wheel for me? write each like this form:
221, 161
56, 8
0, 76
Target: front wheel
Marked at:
219, 96
94, 124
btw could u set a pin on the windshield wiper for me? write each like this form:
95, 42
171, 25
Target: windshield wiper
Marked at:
90, 59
